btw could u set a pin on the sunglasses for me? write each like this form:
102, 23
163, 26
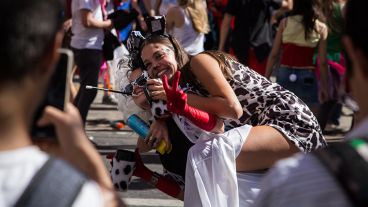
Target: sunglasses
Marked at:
141, 81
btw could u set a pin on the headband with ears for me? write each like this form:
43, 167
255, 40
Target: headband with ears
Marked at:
156, 27
134, 42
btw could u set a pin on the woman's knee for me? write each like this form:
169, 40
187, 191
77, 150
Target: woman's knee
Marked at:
265, 138
263, 147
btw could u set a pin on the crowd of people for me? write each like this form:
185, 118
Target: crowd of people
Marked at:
232, 136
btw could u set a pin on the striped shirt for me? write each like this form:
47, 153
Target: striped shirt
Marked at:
303, 181
300, 181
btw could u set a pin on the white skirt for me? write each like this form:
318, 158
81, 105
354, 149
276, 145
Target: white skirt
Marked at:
211, 178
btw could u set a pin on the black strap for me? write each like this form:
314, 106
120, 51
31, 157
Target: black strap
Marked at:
56, 184
349, 168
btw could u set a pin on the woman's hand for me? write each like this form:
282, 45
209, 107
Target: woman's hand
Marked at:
177, 100
156, 89
143, 146
158, 132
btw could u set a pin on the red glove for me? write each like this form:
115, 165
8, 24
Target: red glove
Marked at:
177, 103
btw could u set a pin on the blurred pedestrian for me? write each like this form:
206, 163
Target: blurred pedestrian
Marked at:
337, 175
297, 38
188, 23
88, 35
330, 111
252, 35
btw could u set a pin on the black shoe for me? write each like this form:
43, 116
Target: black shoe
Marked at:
109, 100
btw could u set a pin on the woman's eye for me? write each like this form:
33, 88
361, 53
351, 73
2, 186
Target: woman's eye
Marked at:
147, 66
159, 56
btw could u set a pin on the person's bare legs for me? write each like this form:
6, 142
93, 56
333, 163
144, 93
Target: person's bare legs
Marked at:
73, 88
262, 148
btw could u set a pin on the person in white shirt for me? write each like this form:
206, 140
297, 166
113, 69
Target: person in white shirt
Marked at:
29, 52
188, 23
88, 35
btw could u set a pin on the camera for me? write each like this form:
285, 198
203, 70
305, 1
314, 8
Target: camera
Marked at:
57, 94
141, 81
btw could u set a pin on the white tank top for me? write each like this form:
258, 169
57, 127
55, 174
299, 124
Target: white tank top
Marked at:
190, 40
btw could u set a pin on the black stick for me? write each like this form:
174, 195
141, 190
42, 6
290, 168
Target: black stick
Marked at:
106, 89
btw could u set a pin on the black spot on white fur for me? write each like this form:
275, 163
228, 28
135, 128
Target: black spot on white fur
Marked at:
123, 185
127, 169
121, 173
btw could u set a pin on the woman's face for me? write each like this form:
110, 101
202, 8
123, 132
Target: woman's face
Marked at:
138, 94
159, 60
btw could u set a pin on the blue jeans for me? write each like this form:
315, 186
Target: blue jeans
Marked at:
302, 82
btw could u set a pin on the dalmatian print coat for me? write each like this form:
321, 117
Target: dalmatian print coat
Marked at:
264, 103
267, 103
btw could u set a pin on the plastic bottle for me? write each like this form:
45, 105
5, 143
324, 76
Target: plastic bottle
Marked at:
142, 129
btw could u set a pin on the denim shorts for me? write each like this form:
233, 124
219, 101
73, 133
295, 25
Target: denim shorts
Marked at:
302, 82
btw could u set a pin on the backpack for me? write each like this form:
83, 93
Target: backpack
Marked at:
348, 164
56, 184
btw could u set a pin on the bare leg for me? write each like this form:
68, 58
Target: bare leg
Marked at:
73, 89
263, 147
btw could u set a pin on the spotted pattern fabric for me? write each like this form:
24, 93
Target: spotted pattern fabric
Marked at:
121, 173
267, 103
264, 103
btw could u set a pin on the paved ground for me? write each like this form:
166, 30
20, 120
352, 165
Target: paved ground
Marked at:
109, 139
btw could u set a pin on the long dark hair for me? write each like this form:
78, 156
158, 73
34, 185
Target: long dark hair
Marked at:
224, 61
310, 11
